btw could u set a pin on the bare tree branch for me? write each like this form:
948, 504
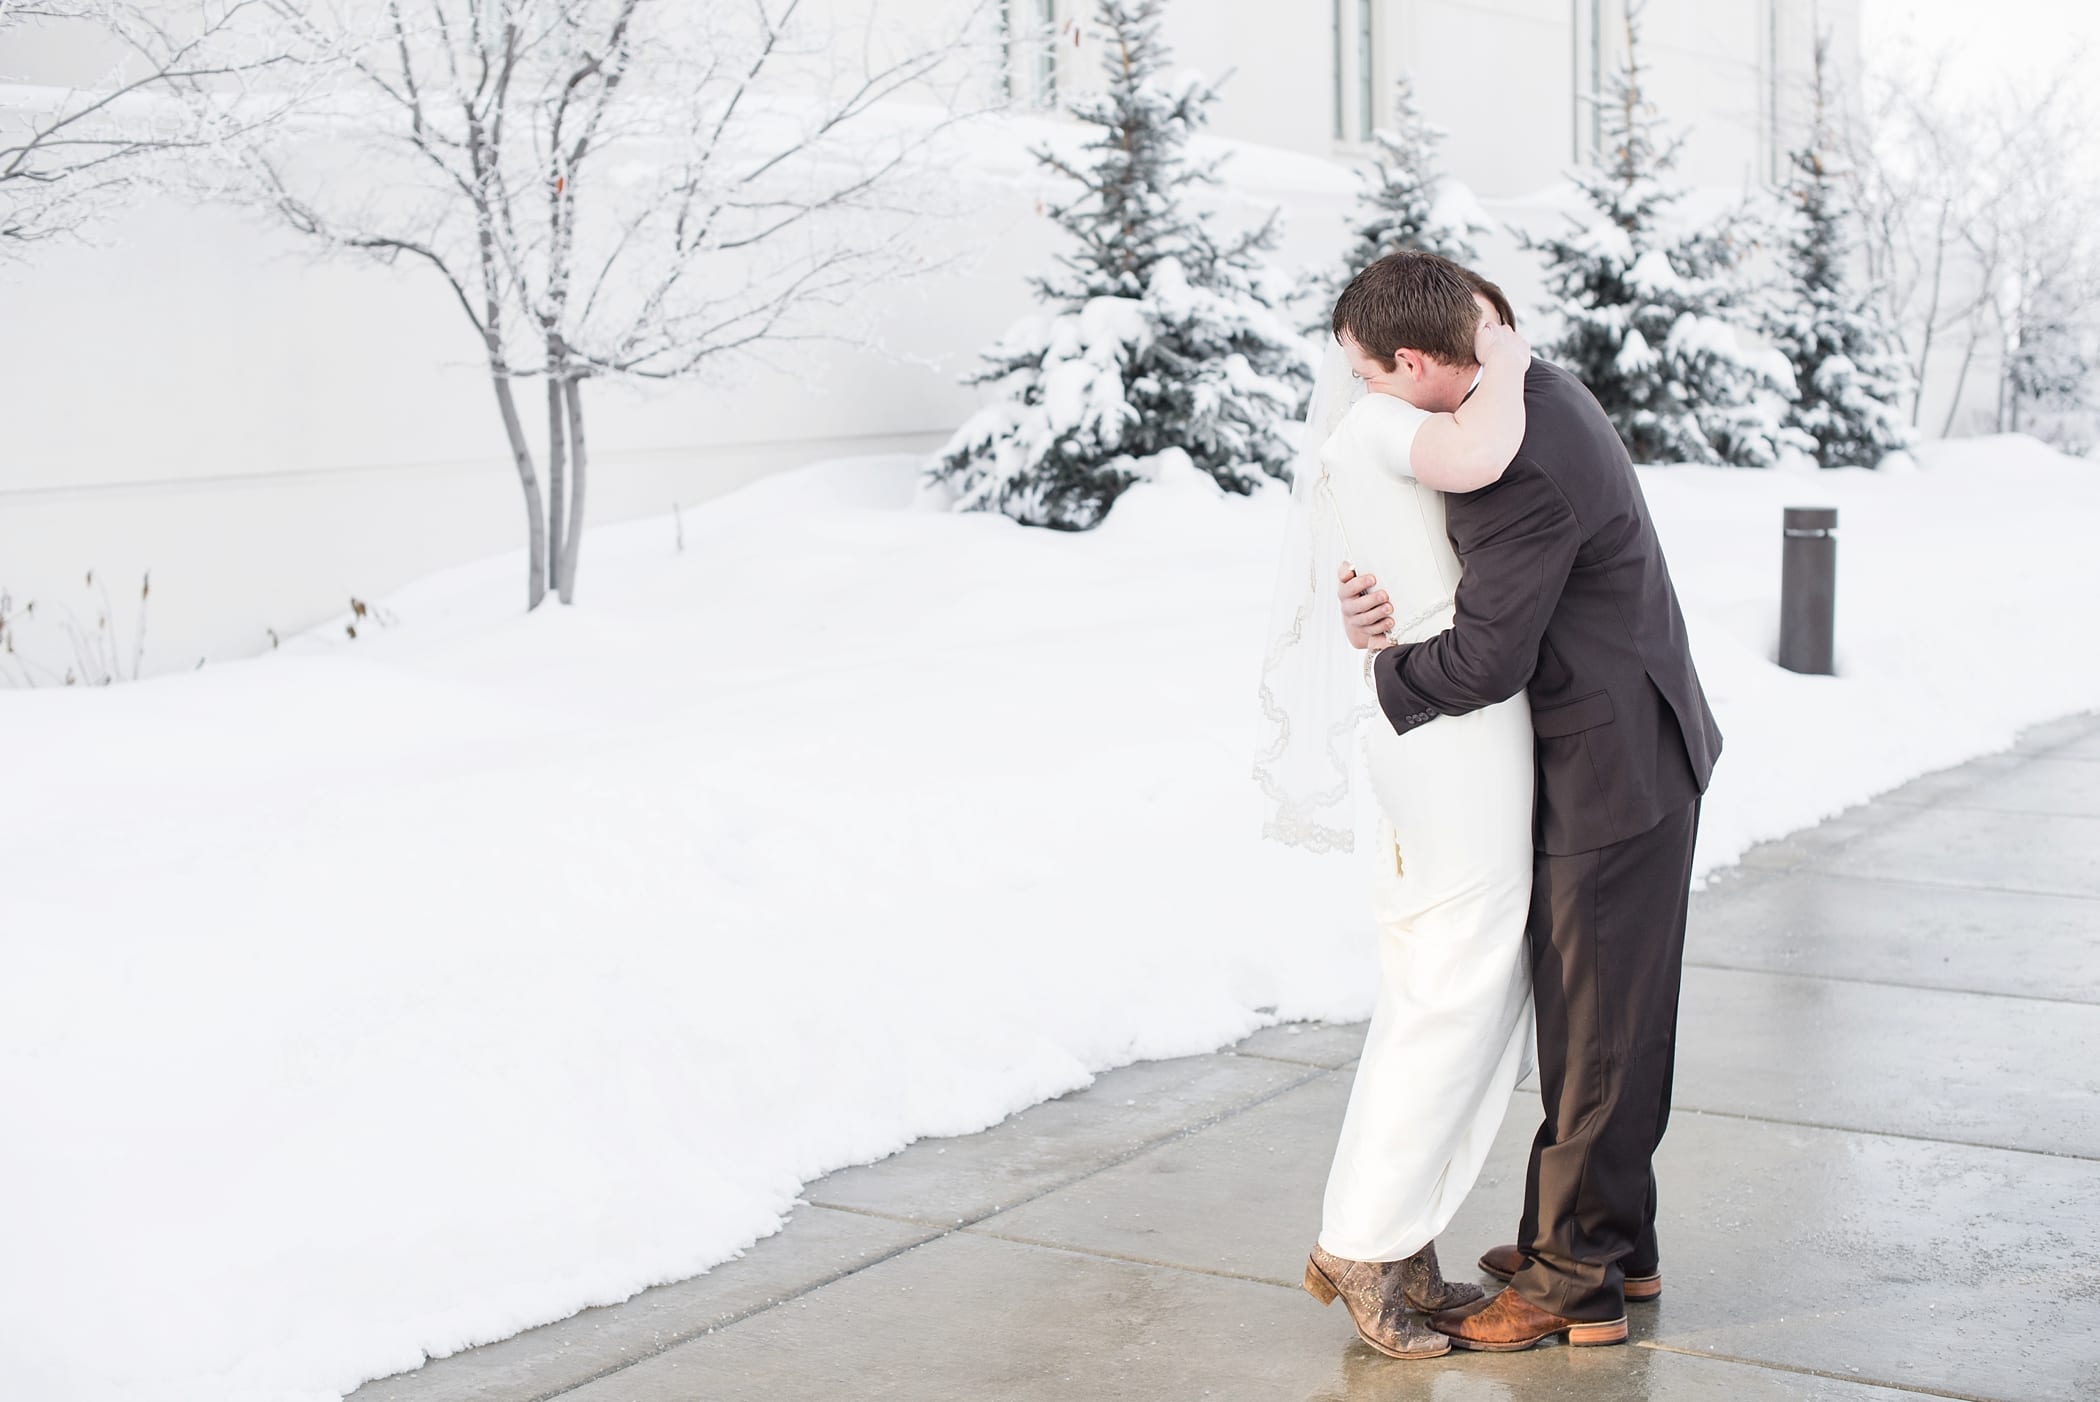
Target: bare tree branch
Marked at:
66, 161
1960, 193
631, 189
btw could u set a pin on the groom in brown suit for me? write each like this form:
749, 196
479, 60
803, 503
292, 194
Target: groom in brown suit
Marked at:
1564, 593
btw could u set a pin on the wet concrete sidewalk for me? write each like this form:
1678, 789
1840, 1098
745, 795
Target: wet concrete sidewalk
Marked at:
1882, 1179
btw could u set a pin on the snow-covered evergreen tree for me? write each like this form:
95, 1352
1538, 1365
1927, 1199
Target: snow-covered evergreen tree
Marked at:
2052, 374
1397, 208
1650, 307
1848, 380
1157, 333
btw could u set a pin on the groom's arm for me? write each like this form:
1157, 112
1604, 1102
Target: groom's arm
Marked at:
1516, 541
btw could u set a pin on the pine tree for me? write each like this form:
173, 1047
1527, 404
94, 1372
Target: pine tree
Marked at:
1397, 207
1848, 380
1649, 306
1157, 335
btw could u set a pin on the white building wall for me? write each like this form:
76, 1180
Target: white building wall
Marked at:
270, 436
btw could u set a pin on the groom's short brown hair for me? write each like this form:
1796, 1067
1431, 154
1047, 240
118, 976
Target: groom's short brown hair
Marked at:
1417, 301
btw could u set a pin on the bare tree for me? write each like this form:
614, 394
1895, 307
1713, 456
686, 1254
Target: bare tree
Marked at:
1911, 163
630, 189
2038, 239
1956, 192
67, 154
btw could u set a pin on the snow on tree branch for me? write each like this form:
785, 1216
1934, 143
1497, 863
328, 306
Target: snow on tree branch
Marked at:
1653, 306
1979, 231
1405, 199
1161, 337
70, 154
630, 189
1850, 385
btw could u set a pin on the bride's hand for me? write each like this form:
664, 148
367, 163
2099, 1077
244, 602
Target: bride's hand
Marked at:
1367, 613
1493, 340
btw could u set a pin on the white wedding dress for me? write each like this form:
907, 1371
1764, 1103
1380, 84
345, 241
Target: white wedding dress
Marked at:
1451, 881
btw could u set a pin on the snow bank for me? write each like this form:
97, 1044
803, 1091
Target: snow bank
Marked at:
1968, 608
379, 998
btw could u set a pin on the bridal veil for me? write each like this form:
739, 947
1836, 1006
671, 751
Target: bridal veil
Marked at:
1312, 693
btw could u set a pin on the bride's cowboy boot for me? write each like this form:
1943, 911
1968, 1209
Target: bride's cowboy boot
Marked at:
1503, 1263
1424, 1287
1371, 1292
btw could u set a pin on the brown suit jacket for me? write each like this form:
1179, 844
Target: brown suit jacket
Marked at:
1565, 591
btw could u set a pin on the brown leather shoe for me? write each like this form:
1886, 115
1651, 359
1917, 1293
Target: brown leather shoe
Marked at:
1510, 1322
1376, 1304
1503, 1263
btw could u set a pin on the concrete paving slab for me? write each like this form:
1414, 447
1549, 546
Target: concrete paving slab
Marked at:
1899, 932
1827, 839
946, 1182
1638, 1374
1328, 1044
968, 1319
2057, 742
815, 1246
2057, 854
1946, 784
1245, 1201
2042, 785
2010, 1072
976, 1319
1949, 1269
2056, 735
1896, 1261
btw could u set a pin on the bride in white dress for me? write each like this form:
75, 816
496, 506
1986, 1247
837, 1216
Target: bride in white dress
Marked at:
1450, 842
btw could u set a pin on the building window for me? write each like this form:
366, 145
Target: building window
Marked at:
1772, 94
1028, 51
1341, 84
1357, 109
1596, 80
1046, 53
1006, 49
1366, 69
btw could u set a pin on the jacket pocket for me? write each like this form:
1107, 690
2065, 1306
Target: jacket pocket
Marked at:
1572, 717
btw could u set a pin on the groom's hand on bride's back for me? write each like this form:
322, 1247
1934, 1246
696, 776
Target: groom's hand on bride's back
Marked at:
1367, 614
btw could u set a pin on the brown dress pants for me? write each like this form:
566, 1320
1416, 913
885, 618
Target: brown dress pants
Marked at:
1606, 938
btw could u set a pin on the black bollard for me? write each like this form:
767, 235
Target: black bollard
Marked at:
1808, 591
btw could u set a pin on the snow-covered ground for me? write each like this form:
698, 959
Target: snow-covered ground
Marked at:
383, 997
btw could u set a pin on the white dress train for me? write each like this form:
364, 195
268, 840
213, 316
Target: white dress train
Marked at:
1450, 884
